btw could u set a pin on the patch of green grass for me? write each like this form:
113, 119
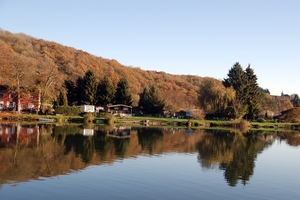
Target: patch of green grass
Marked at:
158, 121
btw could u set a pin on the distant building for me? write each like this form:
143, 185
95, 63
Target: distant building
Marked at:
87, 108
285, 95
184, 114
189, 114
9, 100
120, 110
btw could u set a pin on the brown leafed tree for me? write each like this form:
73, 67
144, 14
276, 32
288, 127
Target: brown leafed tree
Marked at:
18, 75
47, 82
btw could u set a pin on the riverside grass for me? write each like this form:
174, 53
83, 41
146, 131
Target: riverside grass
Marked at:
152, 120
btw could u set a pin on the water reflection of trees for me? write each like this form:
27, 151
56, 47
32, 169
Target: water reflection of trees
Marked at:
235, 153
292, 139
22, 161
87, 147
55, 150
150, 140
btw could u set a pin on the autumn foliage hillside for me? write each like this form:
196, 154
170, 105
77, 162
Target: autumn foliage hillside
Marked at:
47, 65
67, 63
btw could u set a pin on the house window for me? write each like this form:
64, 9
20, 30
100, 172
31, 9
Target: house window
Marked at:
1, 105
11, 104
1, 94
10, 95
31, 97
30, 106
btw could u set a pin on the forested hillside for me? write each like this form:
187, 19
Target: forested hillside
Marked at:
37, 64
51, 64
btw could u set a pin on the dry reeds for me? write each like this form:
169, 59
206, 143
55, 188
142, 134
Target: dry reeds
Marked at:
242, 125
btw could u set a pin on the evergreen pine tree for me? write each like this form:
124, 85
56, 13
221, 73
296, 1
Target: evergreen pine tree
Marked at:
123, 93
105, 92
247, 91
62, 99
151, 101
79, 91
71, 92
238, 80
87, 89
253, 94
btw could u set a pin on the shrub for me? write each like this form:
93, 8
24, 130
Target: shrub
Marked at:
109, 119
88, 118
261, 120
67, 110
242, 125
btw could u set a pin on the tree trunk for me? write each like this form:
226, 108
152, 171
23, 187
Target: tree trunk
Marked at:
18, 95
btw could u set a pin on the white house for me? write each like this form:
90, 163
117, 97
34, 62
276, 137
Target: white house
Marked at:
87, 108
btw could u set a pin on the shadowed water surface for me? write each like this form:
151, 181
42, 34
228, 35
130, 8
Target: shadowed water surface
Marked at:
70, 162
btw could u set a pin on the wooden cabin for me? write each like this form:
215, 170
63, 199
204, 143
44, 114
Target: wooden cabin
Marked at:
120, 110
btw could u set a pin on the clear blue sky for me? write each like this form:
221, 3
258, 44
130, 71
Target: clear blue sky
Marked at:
197, 37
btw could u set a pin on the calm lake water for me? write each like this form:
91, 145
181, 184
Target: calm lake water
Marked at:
74, 162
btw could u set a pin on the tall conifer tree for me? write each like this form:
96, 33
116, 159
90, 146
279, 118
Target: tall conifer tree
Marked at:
247, 91
253, 94
71, 92
123, 93
87, 88
151, 101
105, 92
238, 80
79, 91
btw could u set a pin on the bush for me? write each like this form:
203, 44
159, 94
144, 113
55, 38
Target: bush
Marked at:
109, 119
261, 120
67, 110
242, 125
88, 117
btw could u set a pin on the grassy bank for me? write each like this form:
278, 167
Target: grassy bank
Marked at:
208, 123
152, 121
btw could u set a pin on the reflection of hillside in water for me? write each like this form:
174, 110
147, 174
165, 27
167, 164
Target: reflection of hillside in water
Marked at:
53, 150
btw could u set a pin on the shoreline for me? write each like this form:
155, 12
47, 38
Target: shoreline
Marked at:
152, 121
